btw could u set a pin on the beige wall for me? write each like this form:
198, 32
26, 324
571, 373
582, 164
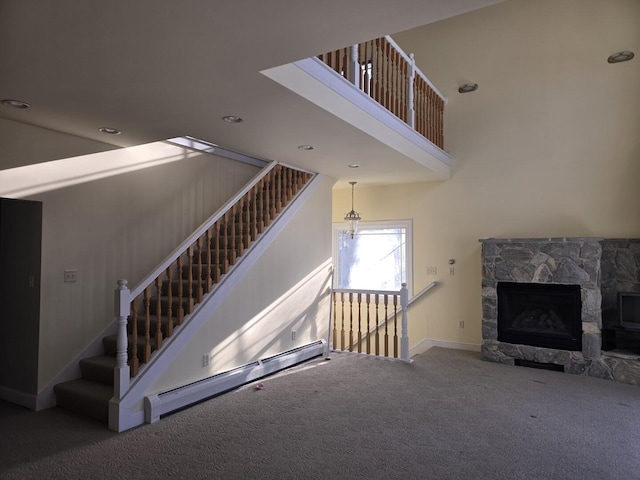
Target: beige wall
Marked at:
547, 146
285, 290
118, 227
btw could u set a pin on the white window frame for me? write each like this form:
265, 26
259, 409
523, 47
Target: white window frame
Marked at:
381, 224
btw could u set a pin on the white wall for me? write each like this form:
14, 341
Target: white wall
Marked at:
118, 227
24, 144
285, 290
548, 145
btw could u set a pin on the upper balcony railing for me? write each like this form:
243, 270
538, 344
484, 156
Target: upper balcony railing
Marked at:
383, 71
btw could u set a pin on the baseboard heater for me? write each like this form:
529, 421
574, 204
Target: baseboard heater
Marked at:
158, 405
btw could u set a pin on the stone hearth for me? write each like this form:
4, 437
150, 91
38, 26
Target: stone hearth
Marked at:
567, 261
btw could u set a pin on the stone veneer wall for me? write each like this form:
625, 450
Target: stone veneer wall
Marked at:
573, 261
620, 273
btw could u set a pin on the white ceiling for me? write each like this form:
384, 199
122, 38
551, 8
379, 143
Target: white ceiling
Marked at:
158, 69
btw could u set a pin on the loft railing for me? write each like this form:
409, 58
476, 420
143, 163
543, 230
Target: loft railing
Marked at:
160, 303
371, 317
383, 71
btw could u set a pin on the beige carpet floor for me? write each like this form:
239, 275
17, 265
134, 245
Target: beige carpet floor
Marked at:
448, 415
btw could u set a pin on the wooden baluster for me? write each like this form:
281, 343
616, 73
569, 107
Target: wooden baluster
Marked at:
368, 325
359, 323
261, 208
240, 227
271, 204
377, 323
387, 79
216, 252
147, 325
386, 327
180, 264
199, 285
232, 229
395, 326
441, 129
289, 185
134, 363
250, 208
225, 242
169, 273
209, 236
368, 64
159, 312
279, 190
342, 337
375, 70
350, 321
335, 323
190, 279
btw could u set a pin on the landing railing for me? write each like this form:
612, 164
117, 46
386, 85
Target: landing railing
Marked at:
383, 71
375, 314
162, 300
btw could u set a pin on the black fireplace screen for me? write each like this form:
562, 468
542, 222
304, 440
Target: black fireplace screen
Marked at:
540, 314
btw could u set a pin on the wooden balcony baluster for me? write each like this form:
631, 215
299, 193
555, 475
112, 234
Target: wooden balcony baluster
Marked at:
240, 227
249, 237
261, 205
216, 252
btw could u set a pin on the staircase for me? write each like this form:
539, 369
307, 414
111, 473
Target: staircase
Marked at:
163, 306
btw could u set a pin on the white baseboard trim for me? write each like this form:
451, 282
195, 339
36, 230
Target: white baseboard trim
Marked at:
161, 404
427, 343
27, 400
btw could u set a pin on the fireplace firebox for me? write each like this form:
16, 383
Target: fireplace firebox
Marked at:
540, 314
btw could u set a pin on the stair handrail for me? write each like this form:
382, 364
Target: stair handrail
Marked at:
201, 230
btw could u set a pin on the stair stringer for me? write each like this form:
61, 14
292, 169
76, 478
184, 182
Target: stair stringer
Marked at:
128, 411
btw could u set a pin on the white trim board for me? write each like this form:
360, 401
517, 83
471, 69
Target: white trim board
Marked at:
427, 343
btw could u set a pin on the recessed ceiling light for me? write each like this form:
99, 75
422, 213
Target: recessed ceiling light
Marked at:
232, 119
110, 131
468, 87
354, 165
15, 104
620, 57
306, 148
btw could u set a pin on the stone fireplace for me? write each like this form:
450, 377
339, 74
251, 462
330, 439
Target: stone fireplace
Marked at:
543, 303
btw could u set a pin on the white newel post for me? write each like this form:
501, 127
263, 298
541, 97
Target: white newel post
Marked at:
354, 67
121, 373
404, 340
411, 111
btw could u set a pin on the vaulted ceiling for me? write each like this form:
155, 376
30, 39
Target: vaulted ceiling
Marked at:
157, 69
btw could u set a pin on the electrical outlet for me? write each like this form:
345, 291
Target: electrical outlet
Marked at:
461, 324
452, 271
205, 360
70, 275
432, 270
294, 334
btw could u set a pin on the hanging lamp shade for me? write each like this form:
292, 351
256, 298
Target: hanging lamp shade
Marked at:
352, 218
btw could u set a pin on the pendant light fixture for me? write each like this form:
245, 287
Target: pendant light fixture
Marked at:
352, 218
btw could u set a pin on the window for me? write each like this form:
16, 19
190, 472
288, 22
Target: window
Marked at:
377, 258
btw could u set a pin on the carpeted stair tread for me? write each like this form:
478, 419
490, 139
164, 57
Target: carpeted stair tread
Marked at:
98, 369
85, 397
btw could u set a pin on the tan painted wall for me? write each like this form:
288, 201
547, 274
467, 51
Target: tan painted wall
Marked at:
548, 146
118, 227
287, 289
